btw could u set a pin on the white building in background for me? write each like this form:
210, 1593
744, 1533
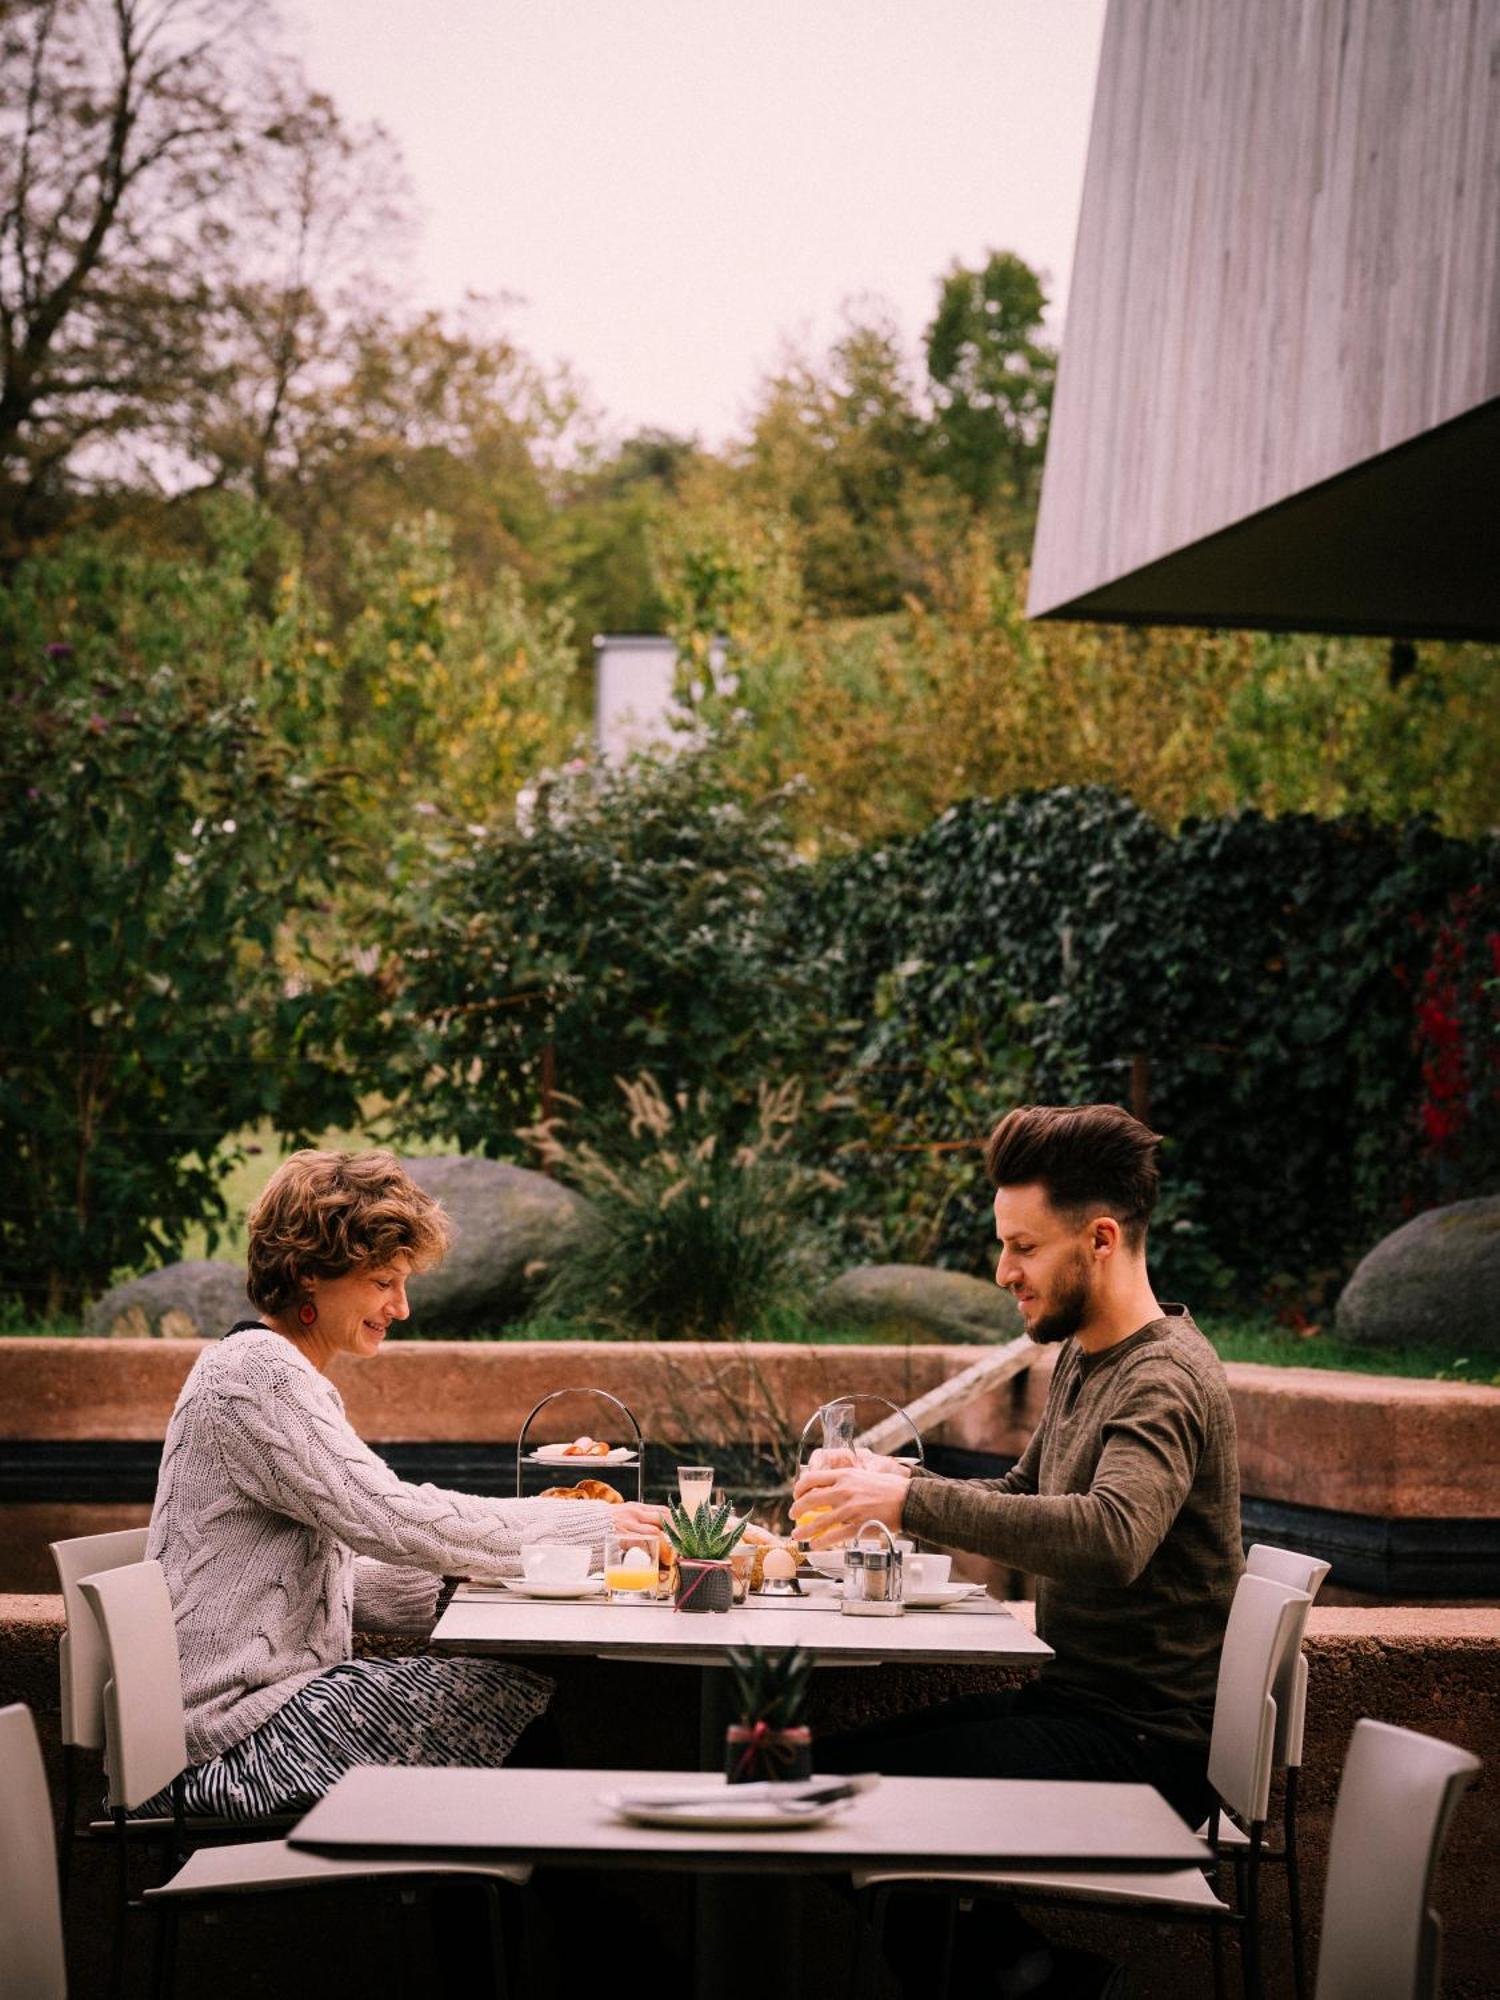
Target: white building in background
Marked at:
634, 704
634, 707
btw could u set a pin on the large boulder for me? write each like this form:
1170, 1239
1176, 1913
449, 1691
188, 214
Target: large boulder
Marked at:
1434, 1282
511, 1228
199, 1299
916, 1302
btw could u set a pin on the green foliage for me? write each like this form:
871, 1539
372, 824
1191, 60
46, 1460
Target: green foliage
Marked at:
635, 918
707, 1535
164, 856
1321, 725
992, 379
693, 1235
1458, 1044
450, 691
1262, 969
770, 1687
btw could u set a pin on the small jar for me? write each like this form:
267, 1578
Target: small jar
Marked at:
753, 1752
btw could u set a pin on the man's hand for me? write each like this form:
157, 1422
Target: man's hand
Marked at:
851, 1495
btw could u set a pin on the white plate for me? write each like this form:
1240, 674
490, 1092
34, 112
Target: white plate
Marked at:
523, 1587
716, 1810
556, 1454
945, 1593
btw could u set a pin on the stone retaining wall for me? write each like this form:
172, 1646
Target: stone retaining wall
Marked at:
1365, 1444
1433, 1670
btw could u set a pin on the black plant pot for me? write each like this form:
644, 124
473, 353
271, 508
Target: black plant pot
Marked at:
704, 1586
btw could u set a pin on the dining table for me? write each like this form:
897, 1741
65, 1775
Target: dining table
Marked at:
498, 1618
574, 1819
484, 1618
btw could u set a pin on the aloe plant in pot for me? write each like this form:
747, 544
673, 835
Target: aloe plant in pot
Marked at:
704, 1541
770, 1739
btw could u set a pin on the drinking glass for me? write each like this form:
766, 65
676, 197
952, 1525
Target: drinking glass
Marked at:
630, 1565
695, 1484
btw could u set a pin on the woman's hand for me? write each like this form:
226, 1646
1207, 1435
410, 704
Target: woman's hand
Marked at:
636, 1517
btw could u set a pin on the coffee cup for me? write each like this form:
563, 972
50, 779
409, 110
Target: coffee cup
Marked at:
556, 1562
926, 1572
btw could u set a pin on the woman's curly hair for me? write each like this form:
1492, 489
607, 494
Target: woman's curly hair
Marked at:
322, 1214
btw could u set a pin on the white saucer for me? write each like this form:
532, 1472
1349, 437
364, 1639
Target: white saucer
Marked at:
945, 1593
590, 1587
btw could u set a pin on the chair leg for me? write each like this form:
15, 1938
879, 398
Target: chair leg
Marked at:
164, 1951
69, 1819
179, 1821
1294, 1884
498, 1973
869, 1913
122, 1903
1250, 1935
950, 1931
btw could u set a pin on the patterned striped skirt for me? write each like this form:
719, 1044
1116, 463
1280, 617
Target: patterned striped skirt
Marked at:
416, 1711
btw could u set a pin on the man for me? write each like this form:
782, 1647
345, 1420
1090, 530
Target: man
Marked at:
1124, 1505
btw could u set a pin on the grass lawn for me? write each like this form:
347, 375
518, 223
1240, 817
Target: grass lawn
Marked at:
1252, 1339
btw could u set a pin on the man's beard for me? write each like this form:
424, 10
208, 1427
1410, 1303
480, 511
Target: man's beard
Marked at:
1068, 1310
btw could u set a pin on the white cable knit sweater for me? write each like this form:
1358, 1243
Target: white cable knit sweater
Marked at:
264, 1501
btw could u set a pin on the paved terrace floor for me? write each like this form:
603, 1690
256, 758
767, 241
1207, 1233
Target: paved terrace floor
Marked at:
1426, 1668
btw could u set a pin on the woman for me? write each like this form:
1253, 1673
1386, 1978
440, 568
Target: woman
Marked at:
278, 1529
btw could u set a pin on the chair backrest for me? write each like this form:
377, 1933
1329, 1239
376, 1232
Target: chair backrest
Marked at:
1381, 1939
81, 1665
31, 1936
1264, 1630
145, 1737
1302, 1573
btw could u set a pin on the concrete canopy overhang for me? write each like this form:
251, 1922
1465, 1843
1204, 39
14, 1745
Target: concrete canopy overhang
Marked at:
1403, 545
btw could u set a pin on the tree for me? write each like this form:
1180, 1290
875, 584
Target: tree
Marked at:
991, 379
165, 863
169, 194
604, 545
635, 920
837, 446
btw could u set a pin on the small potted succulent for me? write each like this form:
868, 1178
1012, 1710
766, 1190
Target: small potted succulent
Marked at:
703, 1542
770, 1740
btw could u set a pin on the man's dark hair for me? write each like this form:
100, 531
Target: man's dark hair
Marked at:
1090, 1158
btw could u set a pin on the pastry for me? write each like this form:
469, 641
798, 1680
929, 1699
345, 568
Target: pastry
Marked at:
586, 1489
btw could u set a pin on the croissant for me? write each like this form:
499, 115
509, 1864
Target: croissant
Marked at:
586, 1489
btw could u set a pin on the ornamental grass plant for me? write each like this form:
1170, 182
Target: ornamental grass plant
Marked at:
694, 1236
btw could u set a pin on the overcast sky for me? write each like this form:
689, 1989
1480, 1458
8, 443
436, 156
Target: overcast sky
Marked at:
672, 187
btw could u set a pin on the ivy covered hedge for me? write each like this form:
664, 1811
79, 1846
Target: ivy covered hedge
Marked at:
1268, 972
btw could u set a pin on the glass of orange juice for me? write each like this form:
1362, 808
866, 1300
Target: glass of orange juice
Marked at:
630, 1565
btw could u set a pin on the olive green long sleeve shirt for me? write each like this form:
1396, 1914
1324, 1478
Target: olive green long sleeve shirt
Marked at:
1125, 1507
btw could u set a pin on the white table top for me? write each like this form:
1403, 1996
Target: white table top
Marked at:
496, 1621
558, 1817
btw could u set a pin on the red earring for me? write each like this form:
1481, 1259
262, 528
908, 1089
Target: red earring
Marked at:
307, 1312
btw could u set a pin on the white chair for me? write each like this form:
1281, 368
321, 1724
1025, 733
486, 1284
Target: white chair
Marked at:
1381, 1937
81, 1665
32, 1966
146, 1752
1302, 1573
1265, 1627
